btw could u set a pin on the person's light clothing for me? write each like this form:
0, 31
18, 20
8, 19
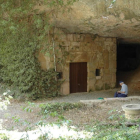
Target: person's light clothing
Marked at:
124, 89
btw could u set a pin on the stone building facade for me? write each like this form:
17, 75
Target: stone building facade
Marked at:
98, 53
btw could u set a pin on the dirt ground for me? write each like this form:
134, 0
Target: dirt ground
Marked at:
15, 118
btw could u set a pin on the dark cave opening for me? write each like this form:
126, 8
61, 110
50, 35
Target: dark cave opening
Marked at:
128, 60
128, 57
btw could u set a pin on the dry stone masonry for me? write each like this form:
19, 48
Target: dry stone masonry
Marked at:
88, 33
98, 52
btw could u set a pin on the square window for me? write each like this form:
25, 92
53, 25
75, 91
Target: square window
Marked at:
97, 72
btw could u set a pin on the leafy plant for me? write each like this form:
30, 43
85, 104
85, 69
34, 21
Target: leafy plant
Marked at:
25, 31
5, 100
58, 108
3, 136
29, 108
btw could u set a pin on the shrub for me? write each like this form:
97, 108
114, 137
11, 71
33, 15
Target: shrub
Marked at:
59, 107
23, 33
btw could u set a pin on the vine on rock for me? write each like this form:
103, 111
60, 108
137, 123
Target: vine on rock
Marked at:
24, 30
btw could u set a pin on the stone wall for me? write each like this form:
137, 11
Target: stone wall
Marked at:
98, 52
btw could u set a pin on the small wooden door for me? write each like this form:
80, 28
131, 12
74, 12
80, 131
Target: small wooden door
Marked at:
78, 77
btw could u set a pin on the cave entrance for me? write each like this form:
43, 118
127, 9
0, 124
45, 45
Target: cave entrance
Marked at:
128, 61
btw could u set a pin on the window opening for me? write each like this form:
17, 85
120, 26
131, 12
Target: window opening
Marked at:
97, 72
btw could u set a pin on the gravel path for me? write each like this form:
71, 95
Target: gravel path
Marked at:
15, 109
76, 97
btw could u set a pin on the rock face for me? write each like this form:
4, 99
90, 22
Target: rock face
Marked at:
120, 19
98, 53
89, 32
131, 78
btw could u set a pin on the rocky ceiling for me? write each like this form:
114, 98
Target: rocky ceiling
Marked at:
100, 17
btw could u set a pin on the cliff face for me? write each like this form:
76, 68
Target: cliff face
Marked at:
120, 19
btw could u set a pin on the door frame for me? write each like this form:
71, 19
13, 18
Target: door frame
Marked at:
70, 72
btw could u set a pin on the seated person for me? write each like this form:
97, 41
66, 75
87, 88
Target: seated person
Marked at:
123, 92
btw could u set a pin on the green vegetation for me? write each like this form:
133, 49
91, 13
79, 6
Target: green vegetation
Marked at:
4, 136
5, 100
58, 108
114, 128
24, 31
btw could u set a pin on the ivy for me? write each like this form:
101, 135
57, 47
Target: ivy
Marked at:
24, 30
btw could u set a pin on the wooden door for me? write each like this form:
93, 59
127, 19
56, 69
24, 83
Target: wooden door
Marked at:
78, 77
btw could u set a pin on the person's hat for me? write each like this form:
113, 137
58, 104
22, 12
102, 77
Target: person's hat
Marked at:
121, 82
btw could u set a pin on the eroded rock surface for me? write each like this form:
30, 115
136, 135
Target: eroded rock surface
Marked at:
120, 19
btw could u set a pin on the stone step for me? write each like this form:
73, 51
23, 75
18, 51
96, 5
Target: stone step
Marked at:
95, 102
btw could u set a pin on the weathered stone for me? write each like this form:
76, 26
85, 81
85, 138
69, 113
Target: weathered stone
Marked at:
84, 48
78, 38
59, 68
108, 39
112, 60
91, 66
62, 37
43, 65
101, 39
42, 58
112, 85
59, 54
99, 85
106, 71
70, 37
106, 59
92, 103
71, 57
98, 77
113, 48
74, 44
66, 72
100, 60
51, 65
81, 57
101, 72
107, 77
107, 86
99, 48
93, 47
93, 58
51, 58
88, 38
114, 78
114, 71
91, 74
132, 111
65, 88
44, 61
91, 84
78, 48
107, 46
120, 19
72, 48
114, 40
63, 44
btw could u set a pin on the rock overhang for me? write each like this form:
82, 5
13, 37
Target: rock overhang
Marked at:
120, 19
